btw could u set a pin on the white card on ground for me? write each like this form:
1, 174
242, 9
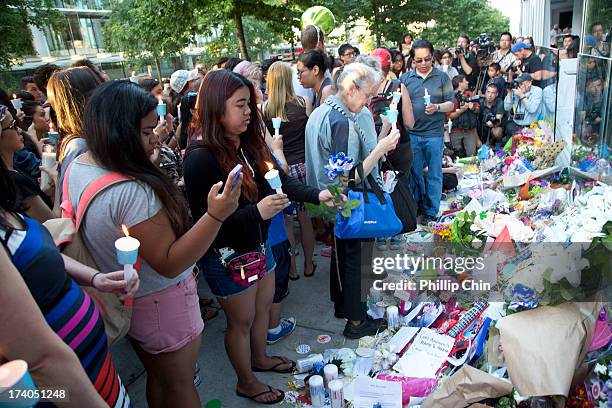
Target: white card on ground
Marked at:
401, 338
426, 354
368, 391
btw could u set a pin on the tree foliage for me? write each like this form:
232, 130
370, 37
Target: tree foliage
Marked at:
471, 17
15, 18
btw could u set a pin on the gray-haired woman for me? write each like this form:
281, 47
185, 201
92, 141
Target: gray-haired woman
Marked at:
344, 124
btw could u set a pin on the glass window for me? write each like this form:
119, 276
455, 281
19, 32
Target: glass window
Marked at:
597, 28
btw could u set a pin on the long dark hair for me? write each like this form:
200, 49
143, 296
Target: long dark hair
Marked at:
217, 87
68, 92
29, 108
112, 130
8, 194
187, 104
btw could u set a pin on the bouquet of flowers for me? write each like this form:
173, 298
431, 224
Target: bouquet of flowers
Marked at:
337, 170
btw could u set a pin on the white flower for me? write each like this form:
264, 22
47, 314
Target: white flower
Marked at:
600, 369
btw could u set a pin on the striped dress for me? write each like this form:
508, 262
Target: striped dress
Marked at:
69, 311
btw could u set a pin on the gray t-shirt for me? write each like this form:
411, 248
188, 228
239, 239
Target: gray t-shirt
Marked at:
128, 203
73, 149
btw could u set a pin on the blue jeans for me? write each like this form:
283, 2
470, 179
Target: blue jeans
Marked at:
427, 151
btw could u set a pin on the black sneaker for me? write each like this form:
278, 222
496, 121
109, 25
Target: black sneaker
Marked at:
368, 327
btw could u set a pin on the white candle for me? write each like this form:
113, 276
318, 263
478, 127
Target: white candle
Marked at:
392, 317
48, 162
276, 124
52, 135
273, 178
336, 393
127, 253
317, 391
392, 115
397, 95
427, 97
161, 108
330, 372
450, 126
17, 103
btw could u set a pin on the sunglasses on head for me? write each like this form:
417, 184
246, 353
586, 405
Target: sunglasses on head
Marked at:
13, 125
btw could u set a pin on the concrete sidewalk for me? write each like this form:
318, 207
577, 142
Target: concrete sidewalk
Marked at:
308, 302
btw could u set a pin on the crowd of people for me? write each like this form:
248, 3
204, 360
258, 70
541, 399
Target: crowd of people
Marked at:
189, 185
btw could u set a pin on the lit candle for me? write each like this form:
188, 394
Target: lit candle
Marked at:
17, 103
427, 97
273, 178
52, 135
161, 108
14, 375
127, 253
450, 126
48, 162
276, 124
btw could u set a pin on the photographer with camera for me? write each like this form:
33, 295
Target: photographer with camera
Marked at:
464, 61
527, 62
464, 118
524, 102
491, 116
503, 56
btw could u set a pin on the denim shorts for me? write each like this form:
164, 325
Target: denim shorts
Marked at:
219, 281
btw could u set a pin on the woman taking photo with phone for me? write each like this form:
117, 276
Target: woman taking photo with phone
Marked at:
227, 130
166, 325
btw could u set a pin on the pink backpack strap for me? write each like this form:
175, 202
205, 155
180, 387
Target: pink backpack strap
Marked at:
91, 191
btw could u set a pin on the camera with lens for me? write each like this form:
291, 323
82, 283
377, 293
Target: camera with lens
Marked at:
459, 50
467, 99
486, 45
518, 116
512, 85
490, 116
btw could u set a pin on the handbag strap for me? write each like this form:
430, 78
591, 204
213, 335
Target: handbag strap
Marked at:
338, 108
365, 183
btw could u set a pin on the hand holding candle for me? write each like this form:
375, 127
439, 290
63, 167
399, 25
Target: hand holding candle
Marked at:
276, 124
17, 103
273, 178
127, 253
161, 108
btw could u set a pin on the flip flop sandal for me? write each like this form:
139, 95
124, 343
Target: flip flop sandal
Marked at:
294, 278
208, 313
310, 275
273, 368
280, 398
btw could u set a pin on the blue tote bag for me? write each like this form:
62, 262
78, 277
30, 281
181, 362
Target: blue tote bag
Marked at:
374, 217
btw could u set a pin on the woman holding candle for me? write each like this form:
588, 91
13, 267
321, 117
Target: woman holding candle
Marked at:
345, 124
53, 281
228, 131
293, 111
166, 323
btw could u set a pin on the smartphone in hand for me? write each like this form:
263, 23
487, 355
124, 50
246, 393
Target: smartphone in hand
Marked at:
237, 171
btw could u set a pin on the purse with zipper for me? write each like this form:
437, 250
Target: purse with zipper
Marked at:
248, 268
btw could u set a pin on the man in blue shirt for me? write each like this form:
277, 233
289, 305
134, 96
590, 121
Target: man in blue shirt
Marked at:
431, 95
524, 104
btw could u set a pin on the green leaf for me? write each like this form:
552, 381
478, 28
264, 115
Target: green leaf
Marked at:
346, 212
352, 204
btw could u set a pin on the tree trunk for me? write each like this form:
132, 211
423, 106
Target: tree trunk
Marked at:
375, 16
240, 31
158, 66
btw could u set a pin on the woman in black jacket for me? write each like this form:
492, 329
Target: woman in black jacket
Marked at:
228, 130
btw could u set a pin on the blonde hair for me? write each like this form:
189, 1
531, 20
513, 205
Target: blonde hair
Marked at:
279, 83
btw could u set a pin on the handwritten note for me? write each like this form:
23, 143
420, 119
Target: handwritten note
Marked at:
426, 354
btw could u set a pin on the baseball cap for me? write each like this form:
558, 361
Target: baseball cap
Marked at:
524, 77
179, 79
520, 46
383, 56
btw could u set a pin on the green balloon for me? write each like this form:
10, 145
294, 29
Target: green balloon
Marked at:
319, 16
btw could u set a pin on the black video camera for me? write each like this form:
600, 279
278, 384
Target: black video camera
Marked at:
490, 116
459, 50
512, 85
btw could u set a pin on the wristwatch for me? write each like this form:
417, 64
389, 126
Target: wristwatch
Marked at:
437, 107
